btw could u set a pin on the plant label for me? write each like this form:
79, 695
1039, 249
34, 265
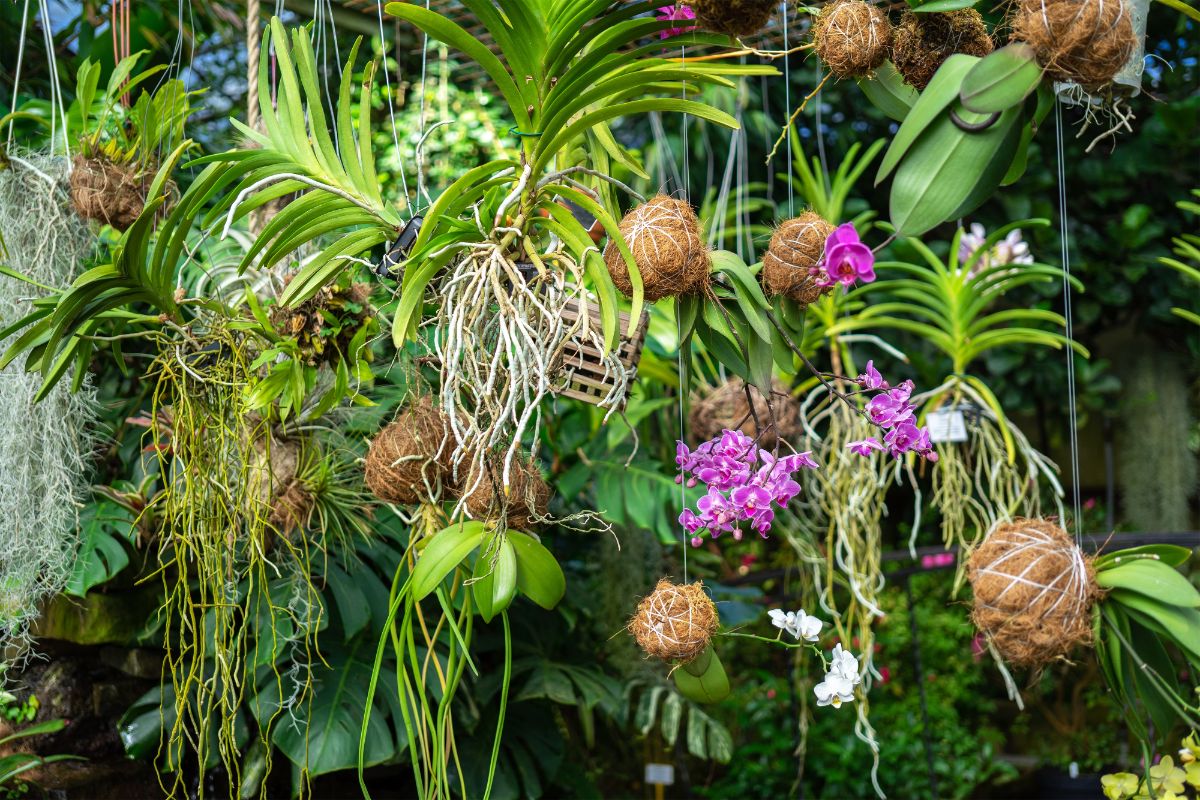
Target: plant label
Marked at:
946, 425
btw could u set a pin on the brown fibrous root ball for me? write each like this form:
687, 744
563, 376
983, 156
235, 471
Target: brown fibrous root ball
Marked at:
921, 42
852, 37
410, 460
726, 408
110, 193
1033, 590
796, 247
291, 508
526, 502
664, 237
733, 17
674, 622
1081, 41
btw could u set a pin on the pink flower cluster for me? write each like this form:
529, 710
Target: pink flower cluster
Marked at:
744, 483
675, 13
846, 260
891, 410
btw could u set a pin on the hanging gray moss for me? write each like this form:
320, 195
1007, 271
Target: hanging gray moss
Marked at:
1156, 469
45, 448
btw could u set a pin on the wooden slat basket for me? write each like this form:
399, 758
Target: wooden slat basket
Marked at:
582, 360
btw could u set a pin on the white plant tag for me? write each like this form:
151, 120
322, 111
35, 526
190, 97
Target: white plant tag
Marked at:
946, 425
661, 774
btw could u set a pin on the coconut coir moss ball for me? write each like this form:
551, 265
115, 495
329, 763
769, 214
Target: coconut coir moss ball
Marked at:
797, 246
733, 17
726, 408
528, 496
114, 194
664, 237
1033, 591
674, 622
1081, 41
409, 460
852, 37
921, 42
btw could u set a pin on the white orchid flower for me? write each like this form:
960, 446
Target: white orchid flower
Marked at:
840, 679
799, 624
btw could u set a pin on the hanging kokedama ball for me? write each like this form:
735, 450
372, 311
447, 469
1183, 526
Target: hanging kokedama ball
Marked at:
664, 237
733, 17
796, 247
921, 42
526, 502
674, 622
1079, 41
726, 408
409, 460
852, 37
1033, 591
110, 193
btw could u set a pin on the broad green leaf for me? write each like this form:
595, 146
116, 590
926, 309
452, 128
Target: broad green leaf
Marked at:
943, 89
1172, 555
1152, 578
711, 685
495, 579
947, 168
1182, 624
939, 6
1003, 79
445, 551
539, 577
888, 92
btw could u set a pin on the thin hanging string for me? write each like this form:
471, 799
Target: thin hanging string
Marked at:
421, 115
56, 95
787, 102
821, 135
686, 183
387, 83
1070, 327
17, 74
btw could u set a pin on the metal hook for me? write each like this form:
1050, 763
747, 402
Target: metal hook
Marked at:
973, 127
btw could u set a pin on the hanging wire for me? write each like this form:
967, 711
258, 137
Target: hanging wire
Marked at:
421, 115
56, 95
686, 185
387, 83
787, 101
17, 74
1065, 256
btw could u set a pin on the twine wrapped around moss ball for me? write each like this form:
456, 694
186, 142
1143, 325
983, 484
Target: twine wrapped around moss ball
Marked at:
664, 237
733, 17
921, 42
852, 37
675, 622
726, 408
526, 502
110, 193
410, 460
796, 247
1078, 41
1034, 590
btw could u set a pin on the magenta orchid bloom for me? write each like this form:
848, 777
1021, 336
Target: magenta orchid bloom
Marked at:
744, 484
871, 379
847, 259
865, 446
675, 13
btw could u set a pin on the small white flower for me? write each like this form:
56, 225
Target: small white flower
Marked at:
833, 691
799, 624
784, 620
840, 679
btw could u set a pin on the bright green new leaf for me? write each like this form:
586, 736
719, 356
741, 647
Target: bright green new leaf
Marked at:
495, 580
445, 551
539, 577
1003, 79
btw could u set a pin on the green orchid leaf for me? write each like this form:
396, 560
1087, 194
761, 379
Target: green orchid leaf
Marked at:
539, 577
495, 580
445, 551
888, 92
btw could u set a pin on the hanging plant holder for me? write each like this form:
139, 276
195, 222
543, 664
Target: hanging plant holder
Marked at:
589, 378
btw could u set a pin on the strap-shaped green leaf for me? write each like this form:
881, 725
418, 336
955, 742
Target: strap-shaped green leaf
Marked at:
495, 579
1151, 578
539, 577
888, 92
703, 680
1001, 80
445, 551
943, 89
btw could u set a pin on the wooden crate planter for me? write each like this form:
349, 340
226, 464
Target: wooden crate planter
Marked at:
588, 381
